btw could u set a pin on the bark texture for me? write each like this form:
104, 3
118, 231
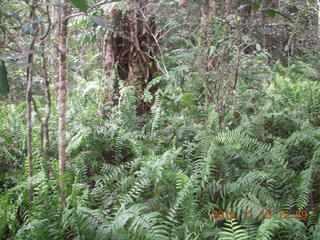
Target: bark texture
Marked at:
133, 47
208, 12
30, 71
62, 98
44, 123
318, 33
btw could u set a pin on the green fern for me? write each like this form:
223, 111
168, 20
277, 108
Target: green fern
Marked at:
238, 138
233, 231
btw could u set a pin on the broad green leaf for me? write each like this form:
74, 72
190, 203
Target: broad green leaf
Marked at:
4, 85
81, 4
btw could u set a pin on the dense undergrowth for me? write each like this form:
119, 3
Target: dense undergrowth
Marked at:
163, 176
230, 149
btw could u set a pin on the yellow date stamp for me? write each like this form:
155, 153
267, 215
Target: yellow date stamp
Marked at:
263, 214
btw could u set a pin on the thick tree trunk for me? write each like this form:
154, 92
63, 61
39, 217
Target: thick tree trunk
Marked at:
30, 71
112, 45
62, 98
134, 49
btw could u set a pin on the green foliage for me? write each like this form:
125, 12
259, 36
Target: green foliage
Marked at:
229, 129
313, 103
81, 4
233, 231
162, 180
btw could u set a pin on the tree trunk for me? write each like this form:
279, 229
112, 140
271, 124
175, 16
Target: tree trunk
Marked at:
56, 11
30, 71
134, 49
62, 98
208, 12
112, 45
318, 33
45, 141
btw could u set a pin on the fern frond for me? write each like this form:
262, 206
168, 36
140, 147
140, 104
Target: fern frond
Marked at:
233, 231
269, 227
238, 138
135, 191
